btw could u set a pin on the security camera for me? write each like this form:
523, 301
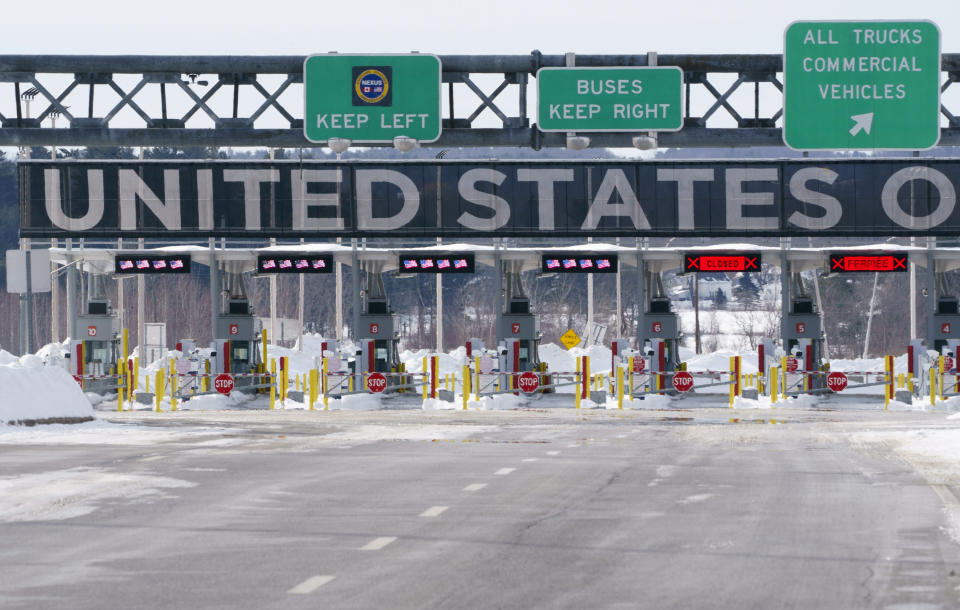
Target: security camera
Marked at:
405, 144
338, 145
645, 142
575, 142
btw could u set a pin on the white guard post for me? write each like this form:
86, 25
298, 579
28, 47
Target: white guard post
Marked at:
474, 347
619, 353
367, 357
766, 356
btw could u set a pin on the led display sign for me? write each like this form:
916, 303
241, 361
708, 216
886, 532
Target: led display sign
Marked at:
578, 262
294, 263
139, 263
713, 262
414, 262
879, 262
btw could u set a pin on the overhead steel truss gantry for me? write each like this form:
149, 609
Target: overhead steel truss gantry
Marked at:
229, 100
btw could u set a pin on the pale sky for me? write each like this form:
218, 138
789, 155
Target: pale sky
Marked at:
295, 27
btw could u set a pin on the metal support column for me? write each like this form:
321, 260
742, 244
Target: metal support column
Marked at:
273, 302
641, 299
71, 292
931, 293
439, 298
498, 276
54, 299
338, 296
784, 291
355, 280
214, 296
141, 292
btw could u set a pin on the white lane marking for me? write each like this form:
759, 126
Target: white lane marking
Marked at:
152, 458
434, 511
311, 584
378, 543
504, 471
572, 446
553, 453
474, 487
530, 459
695, 498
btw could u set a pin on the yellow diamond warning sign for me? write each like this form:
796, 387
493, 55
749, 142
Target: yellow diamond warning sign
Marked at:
570, 339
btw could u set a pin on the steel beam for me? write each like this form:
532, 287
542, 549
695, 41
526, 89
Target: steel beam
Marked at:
186, 126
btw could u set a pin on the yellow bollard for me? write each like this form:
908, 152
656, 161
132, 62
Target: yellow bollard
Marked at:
120, 390
263, 343
174, 385
620, 387
933, 386
940, 383
630, 384
313, 387
774, 384
146, 379
578, 389
465, 390
158, 397
273, 383
476, 384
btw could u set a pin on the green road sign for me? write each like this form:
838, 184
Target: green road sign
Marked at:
861, 85
371, 98
610, 99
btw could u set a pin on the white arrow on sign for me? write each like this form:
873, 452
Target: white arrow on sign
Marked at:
863, 122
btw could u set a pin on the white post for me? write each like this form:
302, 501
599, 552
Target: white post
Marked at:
439, 298
300, 308
54, 299
619, 302
589, 301
913, 292
873, 298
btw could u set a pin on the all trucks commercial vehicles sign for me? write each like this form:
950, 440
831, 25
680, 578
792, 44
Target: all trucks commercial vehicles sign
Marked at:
489, 198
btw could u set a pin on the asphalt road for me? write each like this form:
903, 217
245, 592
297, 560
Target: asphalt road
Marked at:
708, 508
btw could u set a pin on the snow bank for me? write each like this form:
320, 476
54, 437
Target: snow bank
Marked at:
32, 391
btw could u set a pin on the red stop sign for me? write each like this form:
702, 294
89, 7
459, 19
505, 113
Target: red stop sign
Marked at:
639, 364
376, 382
792, 364
528, 382
683, 381
837, 381
78, 379
947, 363
223, 383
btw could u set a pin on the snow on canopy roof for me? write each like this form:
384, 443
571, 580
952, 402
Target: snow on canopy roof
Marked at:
663, 258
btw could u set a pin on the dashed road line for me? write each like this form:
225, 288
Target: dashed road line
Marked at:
474, 487
530, 459
310, 585
553, 453
504, 471
434, 511
378, 543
